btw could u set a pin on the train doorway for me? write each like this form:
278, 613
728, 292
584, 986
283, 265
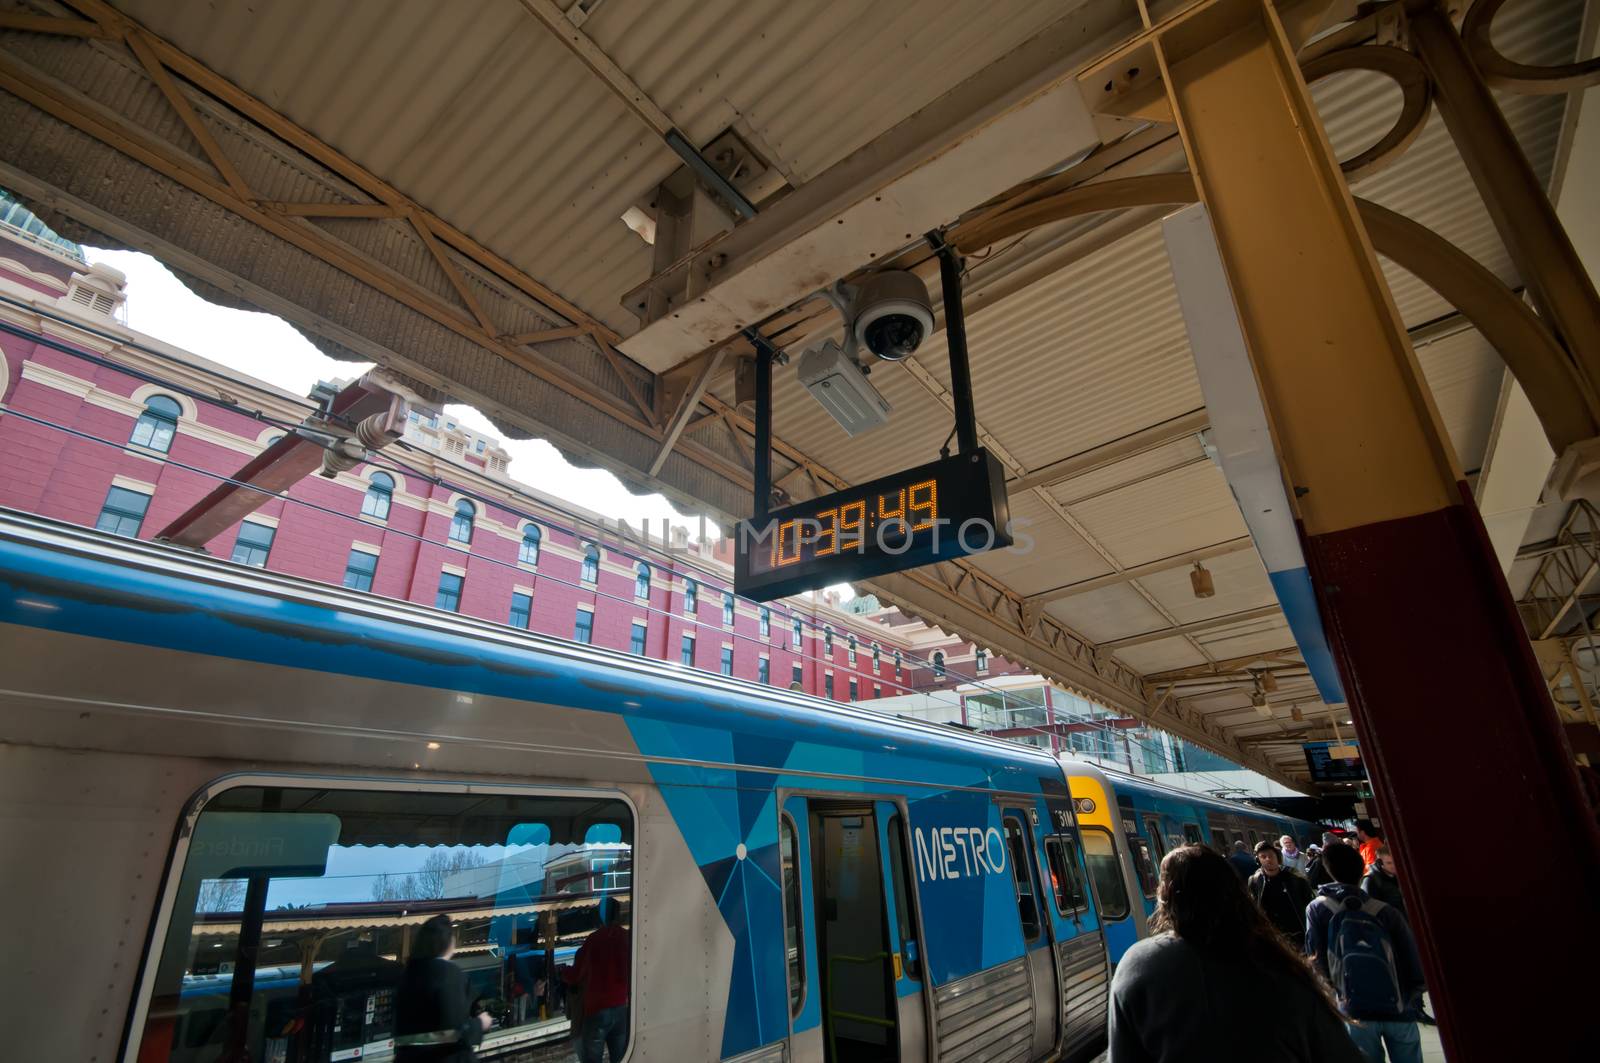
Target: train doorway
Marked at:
856, 960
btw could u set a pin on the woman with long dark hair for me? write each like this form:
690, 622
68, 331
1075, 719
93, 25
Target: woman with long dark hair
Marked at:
1216, 981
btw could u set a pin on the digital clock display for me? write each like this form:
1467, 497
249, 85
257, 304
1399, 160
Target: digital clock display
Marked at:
949, 508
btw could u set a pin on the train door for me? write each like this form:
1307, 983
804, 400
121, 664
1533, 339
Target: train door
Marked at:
1082, 971
905, 939
859, 942
1038, 936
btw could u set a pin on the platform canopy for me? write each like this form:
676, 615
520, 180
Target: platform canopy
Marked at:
564, 212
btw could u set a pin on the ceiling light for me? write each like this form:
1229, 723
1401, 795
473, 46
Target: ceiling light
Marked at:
433, 745
1200, 580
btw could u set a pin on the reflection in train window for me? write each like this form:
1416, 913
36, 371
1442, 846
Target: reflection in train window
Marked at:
792, 945
1060, 850
297, 908
1143, 864
1027, 906
1105, 871
1191, 834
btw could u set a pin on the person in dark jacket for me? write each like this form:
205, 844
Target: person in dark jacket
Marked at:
1282, 893
1382, 884
1216, 983
1243, 864
1398, 1034
434, 1020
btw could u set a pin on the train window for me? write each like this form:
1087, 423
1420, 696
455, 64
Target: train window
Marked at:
1142, 863
1152, 827
1027, 904
1191, 834
793, 945
905, 918
304, 918
1061, 851
1105, 871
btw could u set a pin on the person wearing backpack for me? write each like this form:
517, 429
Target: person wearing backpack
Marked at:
1365, 950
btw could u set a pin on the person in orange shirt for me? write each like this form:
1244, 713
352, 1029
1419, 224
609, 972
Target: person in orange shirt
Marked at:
1368, 840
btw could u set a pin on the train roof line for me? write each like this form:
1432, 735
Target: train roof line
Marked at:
192, 564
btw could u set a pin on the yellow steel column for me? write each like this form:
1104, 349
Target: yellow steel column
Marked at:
1456, 726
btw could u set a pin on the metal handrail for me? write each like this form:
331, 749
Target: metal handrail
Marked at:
835, 1013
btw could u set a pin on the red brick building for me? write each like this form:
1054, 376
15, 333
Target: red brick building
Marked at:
104, 426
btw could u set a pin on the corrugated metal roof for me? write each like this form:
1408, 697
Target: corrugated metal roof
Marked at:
479, 113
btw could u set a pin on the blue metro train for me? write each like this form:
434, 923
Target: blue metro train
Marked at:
212, 770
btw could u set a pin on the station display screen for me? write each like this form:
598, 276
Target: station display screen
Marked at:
1326, 767
946, 509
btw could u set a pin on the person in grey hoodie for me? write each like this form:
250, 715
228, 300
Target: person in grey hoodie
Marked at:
1216, 983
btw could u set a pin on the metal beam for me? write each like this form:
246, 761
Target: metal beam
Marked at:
1128, 446
1149, 568
1193, 627
686, 407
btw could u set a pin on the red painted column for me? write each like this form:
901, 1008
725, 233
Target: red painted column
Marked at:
1321, 401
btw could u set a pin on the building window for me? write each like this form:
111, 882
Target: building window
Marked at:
853, 693
827, 642
766, 622
797, 633
461, 523
528, 549
938, 666
380, 495
449, 596
414, 849
521, 609
253, 544
636, 643
877, 658
980, 660
798, 676
583, 626
877, 691
686, 653
763, 671
827, 684
727, 609
852, 651
157, 424
359, 570
691, 596
897, 665
641, 581
591, 564
123, 511
727, 660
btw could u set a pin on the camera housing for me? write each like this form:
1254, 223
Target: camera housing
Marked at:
891, 314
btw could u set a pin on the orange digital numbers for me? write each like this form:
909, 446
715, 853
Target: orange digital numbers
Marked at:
786, 547
925, 501
852, 525
827, 528
885, 513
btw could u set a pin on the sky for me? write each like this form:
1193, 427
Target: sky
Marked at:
268, 348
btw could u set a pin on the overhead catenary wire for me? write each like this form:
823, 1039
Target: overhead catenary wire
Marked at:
1109, 732
395, 464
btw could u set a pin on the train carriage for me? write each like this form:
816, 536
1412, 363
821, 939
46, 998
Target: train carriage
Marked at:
263, 761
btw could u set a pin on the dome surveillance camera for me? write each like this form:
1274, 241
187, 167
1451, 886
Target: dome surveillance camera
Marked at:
892, 314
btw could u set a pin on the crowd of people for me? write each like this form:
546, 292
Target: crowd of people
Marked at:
1283, 954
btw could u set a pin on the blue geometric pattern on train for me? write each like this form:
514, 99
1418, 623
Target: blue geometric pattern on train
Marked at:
729, 821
